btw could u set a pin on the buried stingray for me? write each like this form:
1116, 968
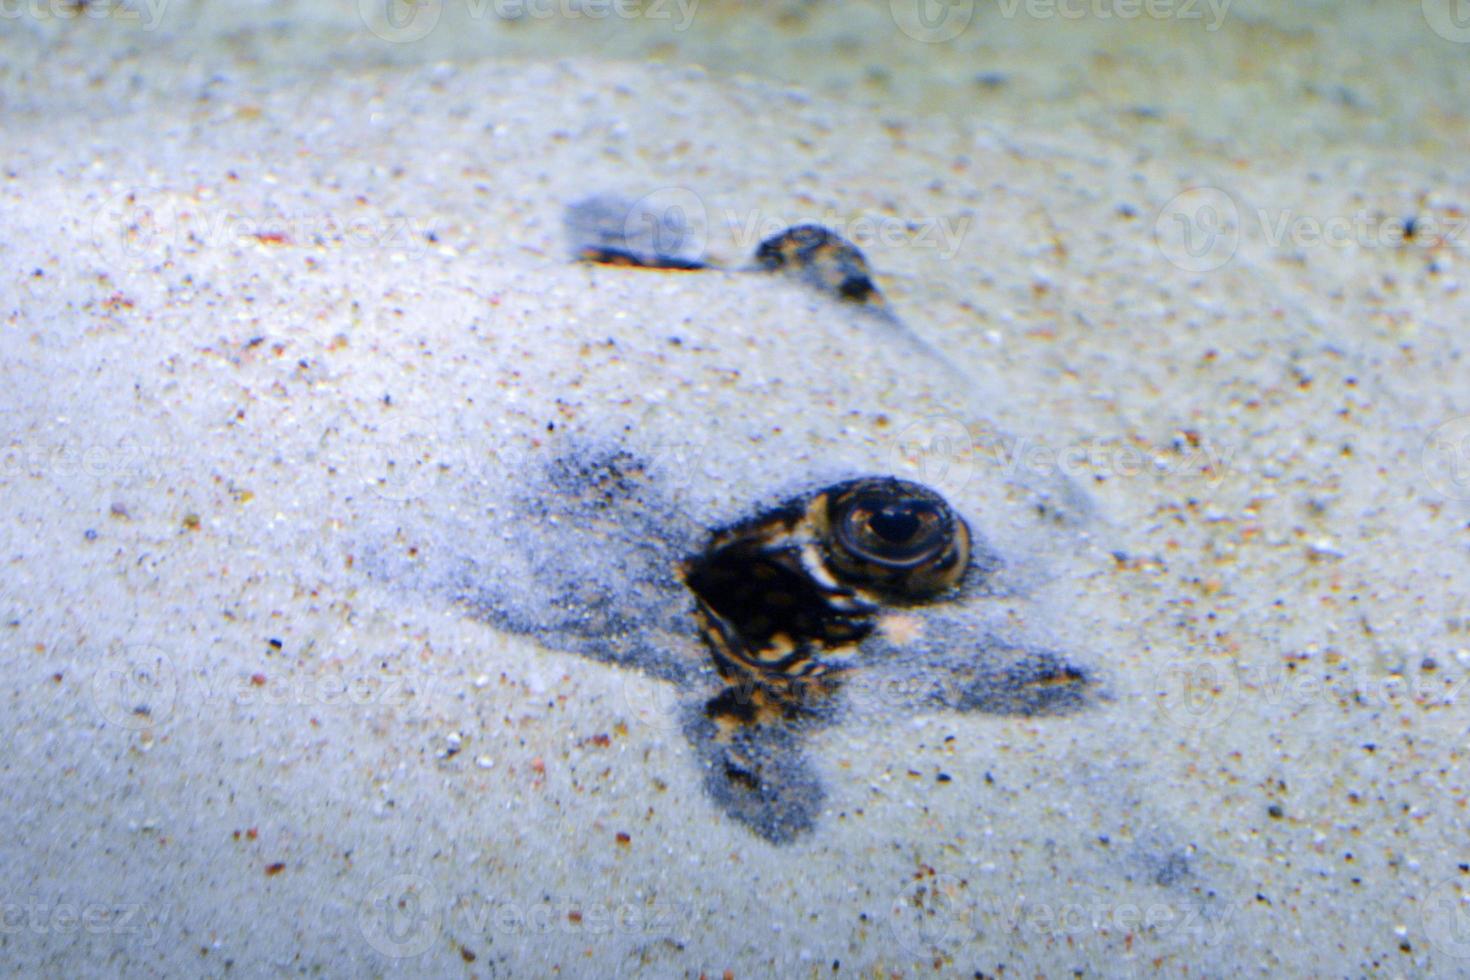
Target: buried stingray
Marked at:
837, 592
824, 606
796, 600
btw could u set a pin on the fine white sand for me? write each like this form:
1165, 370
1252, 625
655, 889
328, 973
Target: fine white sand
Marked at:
265, 326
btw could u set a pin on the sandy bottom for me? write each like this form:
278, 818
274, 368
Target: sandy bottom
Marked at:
258, 338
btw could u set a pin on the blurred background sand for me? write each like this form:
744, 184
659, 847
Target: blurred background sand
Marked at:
245, 246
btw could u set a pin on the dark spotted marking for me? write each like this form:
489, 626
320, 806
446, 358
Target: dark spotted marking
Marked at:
784, 598
823, 259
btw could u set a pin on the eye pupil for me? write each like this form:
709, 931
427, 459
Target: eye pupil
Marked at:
897, 538
894, 524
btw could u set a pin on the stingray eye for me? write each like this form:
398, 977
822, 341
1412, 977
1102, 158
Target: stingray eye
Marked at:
893, 532
898, 536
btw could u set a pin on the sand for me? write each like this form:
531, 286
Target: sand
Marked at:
289, 323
